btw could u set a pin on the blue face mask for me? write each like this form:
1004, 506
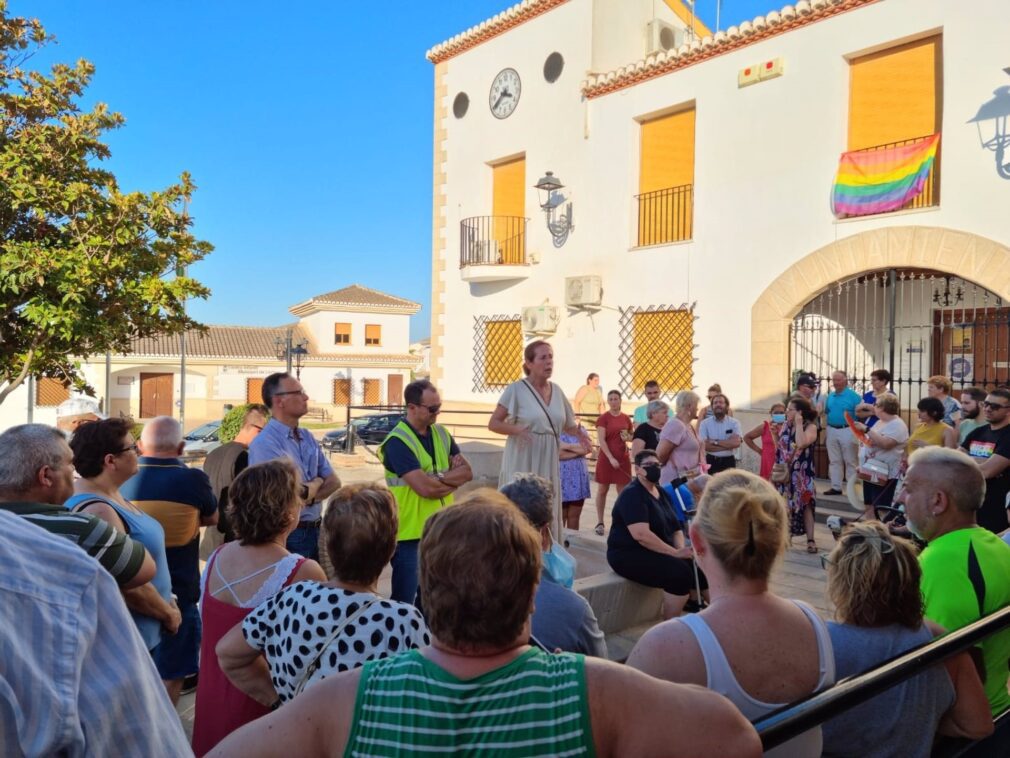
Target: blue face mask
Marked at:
559, 565
778, 418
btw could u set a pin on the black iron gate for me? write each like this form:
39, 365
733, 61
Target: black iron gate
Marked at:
914, 323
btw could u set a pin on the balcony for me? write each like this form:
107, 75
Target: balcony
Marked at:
666, 215
927, 198
493, 248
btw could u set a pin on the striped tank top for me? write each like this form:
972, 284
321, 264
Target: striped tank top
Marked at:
534, 706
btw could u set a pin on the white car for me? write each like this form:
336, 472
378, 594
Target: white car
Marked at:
203, 439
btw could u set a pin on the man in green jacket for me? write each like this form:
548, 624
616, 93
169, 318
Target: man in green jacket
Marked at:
423, 469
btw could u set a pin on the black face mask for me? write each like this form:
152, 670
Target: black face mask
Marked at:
652, 473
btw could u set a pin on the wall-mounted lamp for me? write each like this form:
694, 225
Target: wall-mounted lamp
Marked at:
559, 225
996, 111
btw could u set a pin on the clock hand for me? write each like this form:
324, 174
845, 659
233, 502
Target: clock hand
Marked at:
496, 102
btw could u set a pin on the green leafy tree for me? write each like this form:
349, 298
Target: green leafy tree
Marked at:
83, 265
231, 424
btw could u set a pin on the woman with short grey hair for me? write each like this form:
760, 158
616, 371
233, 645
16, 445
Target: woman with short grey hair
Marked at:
679, 450
646, 437
562, 618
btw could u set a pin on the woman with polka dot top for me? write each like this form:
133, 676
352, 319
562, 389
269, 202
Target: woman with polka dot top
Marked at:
312, 629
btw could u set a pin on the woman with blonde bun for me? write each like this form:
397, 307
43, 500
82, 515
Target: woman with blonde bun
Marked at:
755, 648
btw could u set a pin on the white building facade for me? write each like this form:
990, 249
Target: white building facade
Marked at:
700, 187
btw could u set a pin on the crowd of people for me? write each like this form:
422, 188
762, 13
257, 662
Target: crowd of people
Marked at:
484, 646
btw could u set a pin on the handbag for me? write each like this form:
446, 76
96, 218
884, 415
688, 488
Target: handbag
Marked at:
314, 666
780, 473
873, 471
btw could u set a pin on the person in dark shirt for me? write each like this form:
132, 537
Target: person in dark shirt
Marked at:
181, 500
423, 469
646, 541
989, 447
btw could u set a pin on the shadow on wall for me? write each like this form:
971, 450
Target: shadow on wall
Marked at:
991, 122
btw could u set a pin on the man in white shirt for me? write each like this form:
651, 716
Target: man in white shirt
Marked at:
720, 434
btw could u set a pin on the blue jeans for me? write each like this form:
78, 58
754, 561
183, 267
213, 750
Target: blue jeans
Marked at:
305, 542
404, 563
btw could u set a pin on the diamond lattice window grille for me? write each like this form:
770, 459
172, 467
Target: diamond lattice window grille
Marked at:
656, 343
497, 352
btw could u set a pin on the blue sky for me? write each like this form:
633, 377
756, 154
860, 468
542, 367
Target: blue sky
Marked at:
306, 126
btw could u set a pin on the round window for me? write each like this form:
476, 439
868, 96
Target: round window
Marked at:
460, 105
553, 67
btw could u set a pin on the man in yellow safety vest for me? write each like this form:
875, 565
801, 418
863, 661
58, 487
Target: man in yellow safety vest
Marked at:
423, 469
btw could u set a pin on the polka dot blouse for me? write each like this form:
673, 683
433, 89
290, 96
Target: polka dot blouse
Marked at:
294, 625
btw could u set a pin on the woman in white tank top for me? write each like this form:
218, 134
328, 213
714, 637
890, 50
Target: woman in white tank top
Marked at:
757, 649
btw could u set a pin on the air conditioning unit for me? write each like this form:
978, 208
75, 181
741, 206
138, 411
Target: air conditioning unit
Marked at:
541, 319
581, 291
488, 252
662, 36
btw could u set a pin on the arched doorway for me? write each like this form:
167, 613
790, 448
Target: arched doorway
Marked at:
923, 250
913, 322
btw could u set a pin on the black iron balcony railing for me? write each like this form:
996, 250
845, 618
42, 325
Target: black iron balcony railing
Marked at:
930, 194
492, 241
666, 215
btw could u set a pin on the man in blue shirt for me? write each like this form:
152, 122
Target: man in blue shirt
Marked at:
287, 401
841, 443
181, 500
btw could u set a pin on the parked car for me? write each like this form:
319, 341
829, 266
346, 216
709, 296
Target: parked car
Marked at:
371, 429
203, 439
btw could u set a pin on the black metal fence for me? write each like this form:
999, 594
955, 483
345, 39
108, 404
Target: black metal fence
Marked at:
796, 718
666, 215
492, 240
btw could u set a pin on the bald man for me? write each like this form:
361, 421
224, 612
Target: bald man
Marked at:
182, 501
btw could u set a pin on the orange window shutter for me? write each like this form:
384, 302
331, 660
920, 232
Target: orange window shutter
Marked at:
662, 350
509, 208
503, 348
370, 391
341, 391
373, 334
254, 390
667, 152
895, 94
49, 391
341, 334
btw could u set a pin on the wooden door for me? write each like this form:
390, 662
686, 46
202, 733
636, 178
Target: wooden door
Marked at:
156, 392
394, 389
254, 389
980, 338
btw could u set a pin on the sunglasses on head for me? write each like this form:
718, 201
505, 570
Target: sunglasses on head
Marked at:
885, 546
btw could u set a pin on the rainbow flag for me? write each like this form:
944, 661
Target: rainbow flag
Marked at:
882, 180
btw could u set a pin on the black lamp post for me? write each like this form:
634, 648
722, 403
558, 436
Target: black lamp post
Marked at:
288, 350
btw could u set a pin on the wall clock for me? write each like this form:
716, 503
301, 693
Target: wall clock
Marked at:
504, 95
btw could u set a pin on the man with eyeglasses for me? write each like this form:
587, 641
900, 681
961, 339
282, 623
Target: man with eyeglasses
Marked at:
989, 447
222, 465
284, 395
423, 469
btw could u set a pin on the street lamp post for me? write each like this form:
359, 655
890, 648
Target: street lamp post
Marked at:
288, 350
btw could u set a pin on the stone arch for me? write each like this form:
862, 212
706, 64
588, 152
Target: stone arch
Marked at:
951, 251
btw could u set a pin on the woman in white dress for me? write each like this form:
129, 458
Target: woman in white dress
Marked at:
532, 413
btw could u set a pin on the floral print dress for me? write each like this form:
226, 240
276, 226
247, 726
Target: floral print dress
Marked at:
799, 491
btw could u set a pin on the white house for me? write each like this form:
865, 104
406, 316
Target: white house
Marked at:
356, 343
698, 172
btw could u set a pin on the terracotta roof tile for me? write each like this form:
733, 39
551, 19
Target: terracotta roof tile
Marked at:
219, 342
358, 295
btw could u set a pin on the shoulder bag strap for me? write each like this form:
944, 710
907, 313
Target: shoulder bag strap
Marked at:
314, 666
540, 402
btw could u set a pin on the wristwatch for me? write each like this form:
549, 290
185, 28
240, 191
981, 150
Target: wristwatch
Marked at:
305, 492
440, 476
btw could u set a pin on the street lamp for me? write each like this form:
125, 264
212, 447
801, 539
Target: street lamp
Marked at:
996, 110
287, 349
550, 198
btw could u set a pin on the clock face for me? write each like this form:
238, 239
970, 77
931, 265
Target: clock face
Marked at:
504, 95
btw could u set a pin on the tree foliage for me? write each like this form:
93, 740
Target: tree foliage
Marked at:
83, 265
231, 424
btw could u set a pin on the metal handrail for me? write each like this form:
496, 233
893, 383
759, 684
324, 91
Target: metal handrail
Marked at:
930, 194
796, 718
492, 241
666, 215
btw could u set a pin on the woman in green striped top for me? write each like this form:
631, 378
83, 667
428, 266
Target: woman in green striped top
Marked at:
480, 689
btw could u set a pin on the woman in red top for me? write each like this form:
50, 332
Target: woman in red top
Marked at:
613, 466
263, 507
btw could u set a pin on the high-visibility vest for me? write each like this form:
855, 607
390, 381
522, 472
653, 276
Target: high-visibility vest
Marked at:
414, 510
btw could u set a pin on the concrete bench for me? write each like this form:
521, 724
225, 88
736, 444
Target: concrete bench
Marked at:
624, 610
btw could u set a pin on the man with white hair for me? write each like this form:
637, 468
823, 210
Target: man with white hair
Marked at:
182, 501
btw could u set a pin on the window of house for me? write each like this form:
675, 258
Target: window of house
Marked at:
254, 389
49, 391
370, 391
341, 334
666, 179
341, 391
373, 334
657, 345
498, 352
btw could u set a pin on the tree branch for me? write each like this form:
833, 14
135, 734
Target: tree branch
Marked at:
11, 386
